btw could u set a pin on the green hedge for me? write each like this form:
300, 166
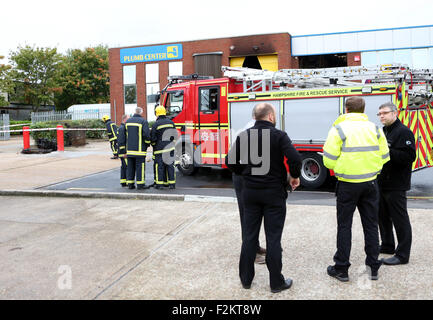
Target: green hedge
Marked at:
13, 122
52, 134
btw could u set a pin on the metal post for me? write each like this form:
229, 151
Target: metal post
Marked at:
26, 138
60, 142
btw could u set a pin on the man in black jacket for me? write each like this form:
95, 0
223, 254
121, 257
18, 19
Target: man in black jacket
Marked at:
137, 141
258, 154
394, 181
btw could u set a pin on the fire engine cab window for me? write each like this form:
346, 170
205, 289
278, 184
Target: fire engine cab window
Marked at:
174, 102
209, 99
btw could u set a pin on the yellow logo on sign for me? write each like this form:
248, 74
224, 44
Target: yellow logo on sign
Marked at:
172, 52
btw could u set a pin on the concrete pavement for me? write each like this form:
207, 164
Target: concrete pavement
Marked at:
84, 248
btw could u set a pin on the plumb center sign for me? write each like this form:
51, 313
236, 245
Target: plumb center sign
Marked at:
153, 53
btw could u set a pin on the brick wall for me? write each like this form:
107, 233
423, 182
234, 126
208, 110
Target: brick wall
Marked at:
236, 46
351, 59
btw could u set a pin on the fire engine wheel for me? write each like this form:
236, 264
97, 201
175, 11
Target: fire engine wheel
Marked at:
185, 161
313, 172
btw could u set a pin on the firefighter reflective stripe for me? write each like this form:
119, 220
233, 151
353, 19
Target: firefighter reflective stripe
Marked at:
112, 139
384, 156
140, 151
157, 181
136, 153
113, 130
142, 179
165, 126
163, 151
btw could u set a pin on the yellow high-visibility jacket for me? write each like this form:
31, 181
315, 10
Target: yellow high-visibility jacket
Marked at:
356, 149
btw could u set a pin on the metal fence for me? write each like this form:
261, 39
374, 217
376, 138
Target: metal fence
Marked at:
65, 115
4, 125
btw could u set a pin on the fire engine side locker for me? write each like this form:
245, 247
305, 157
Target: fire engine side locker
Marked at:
307, 123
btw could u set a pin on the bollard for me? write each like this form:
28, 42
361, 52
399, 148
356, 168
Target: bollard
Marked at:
26, 138
60, 142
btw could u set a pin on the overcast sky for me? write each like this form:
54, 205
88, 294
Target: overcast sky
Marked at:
84, 23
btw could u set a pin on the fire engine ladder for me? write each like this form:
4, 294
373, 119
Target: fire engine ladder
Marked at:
254, 79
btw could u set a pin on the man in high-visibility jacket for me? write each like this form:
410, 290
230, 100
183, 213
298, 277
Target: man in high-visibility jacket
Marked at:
137, 141
163, 136
112, 135
356, 149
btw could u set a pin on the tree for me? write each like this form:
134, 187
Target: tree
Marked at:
83, 78
5, 84
34, 74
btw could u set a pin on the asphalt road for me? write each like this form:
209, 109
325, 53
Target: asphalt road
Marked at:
217, 183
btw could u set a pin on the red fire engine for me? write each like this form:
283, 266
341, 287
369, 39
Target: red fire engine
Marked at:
209, 113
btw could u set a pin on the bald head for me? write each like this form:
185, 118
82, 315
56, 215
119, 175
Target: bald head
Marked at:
264, 111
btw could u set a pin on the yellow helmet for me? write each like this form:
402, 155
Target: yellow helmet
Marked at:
105, 118
160, 111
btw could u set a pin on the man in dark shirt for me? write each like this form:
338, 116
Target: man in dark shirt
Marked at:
258, 155
394, 181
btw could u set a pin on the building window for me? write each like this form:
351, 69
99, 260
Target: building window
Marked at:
152, 88
208, 64
175, 68
129, 84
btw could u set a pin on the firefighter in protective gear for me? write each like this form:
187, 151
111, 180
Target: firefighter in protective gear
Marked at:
121, 141
163, 137
137, 141
356, 149
112, 135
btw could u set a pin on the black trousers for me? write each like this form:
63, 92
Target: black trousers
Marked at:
136, 170
238, 183
123, 168
269, 205
113, 145
393, 211
164, 169
365, 197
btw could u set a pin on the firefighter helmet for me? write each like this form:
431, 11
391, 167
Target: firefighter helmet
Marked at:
105, 118
160, 111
